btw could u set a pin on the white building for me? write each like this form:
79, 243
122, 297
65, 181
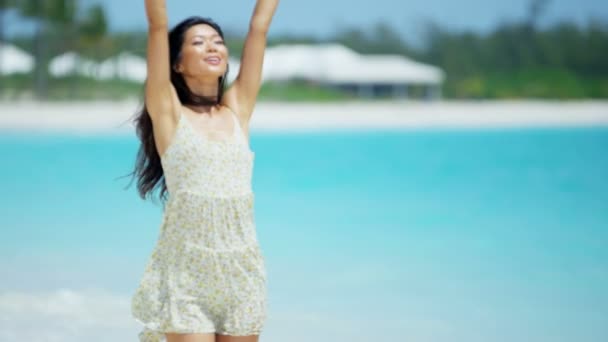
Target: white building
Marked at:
14, 60
71, 63
337, 66
124, 66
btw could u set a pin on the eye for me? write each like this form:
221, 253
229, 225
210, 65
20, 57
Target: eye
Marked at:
198, 43
219, 42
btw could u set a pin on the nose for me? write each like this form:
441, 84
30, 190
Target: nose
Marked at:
211, 47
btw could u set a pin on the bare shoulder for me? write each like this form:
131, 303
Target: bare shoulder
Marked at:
230, 100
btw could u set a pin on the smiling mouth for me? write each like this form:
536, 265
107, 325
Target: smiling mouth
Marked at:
213, 60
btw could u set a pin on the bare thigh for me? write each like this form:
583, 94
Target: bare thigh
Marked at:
227, 338
190, 337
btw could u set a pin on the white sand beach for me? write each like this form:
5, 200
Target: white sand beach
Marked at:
112, 117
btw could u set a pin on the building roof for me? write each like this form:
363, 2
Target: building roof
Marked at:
335, 63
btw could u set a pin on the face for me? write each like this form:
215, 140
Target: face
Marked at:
203, 53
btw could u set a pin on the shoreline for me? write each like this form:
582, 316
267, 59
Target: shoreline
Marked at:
112, 117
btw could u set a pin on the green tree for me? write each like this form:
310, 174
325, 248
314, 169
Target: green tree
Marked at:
54, 19
93, 29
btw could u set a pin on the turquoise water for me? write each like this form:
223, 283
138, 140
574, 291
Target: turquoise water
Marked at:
495, 235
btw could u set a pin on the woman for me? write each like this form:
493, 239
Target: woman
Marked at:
206, 277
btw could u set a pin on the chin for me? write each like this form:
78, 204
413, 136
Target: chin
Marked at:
217, 71
211, 73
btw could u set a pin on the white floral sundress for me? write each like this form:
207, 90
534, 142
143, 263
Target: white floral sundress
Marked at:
206, 273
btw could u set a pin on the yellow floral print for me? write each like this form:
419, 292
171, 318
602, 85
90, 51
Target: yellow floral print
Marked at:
207, 271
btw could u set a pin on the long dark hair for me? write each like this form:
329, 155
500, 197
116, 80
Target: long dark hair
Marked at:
148, 169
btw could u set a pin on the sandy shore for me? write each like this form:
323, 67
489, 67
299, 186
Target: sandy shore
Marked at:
113, 117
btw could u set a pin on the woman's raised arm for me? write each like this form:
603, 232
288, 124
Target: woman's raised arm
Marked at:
161, 98
243, 93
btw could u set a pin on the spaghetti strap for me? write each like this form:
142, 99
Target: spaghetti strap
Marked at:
238, 131
236, 124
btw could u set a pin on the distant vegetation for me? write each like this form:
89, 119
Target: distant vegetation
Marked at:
515, 60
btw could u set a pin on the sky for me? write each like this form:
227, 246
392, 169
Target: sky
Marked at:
321, 18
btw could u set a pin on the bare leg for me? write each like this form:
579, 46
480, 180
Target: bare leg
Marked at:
228, 338
171, 337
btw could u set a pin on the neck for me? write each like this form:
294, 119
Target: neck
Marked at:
201, 109
207, 87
